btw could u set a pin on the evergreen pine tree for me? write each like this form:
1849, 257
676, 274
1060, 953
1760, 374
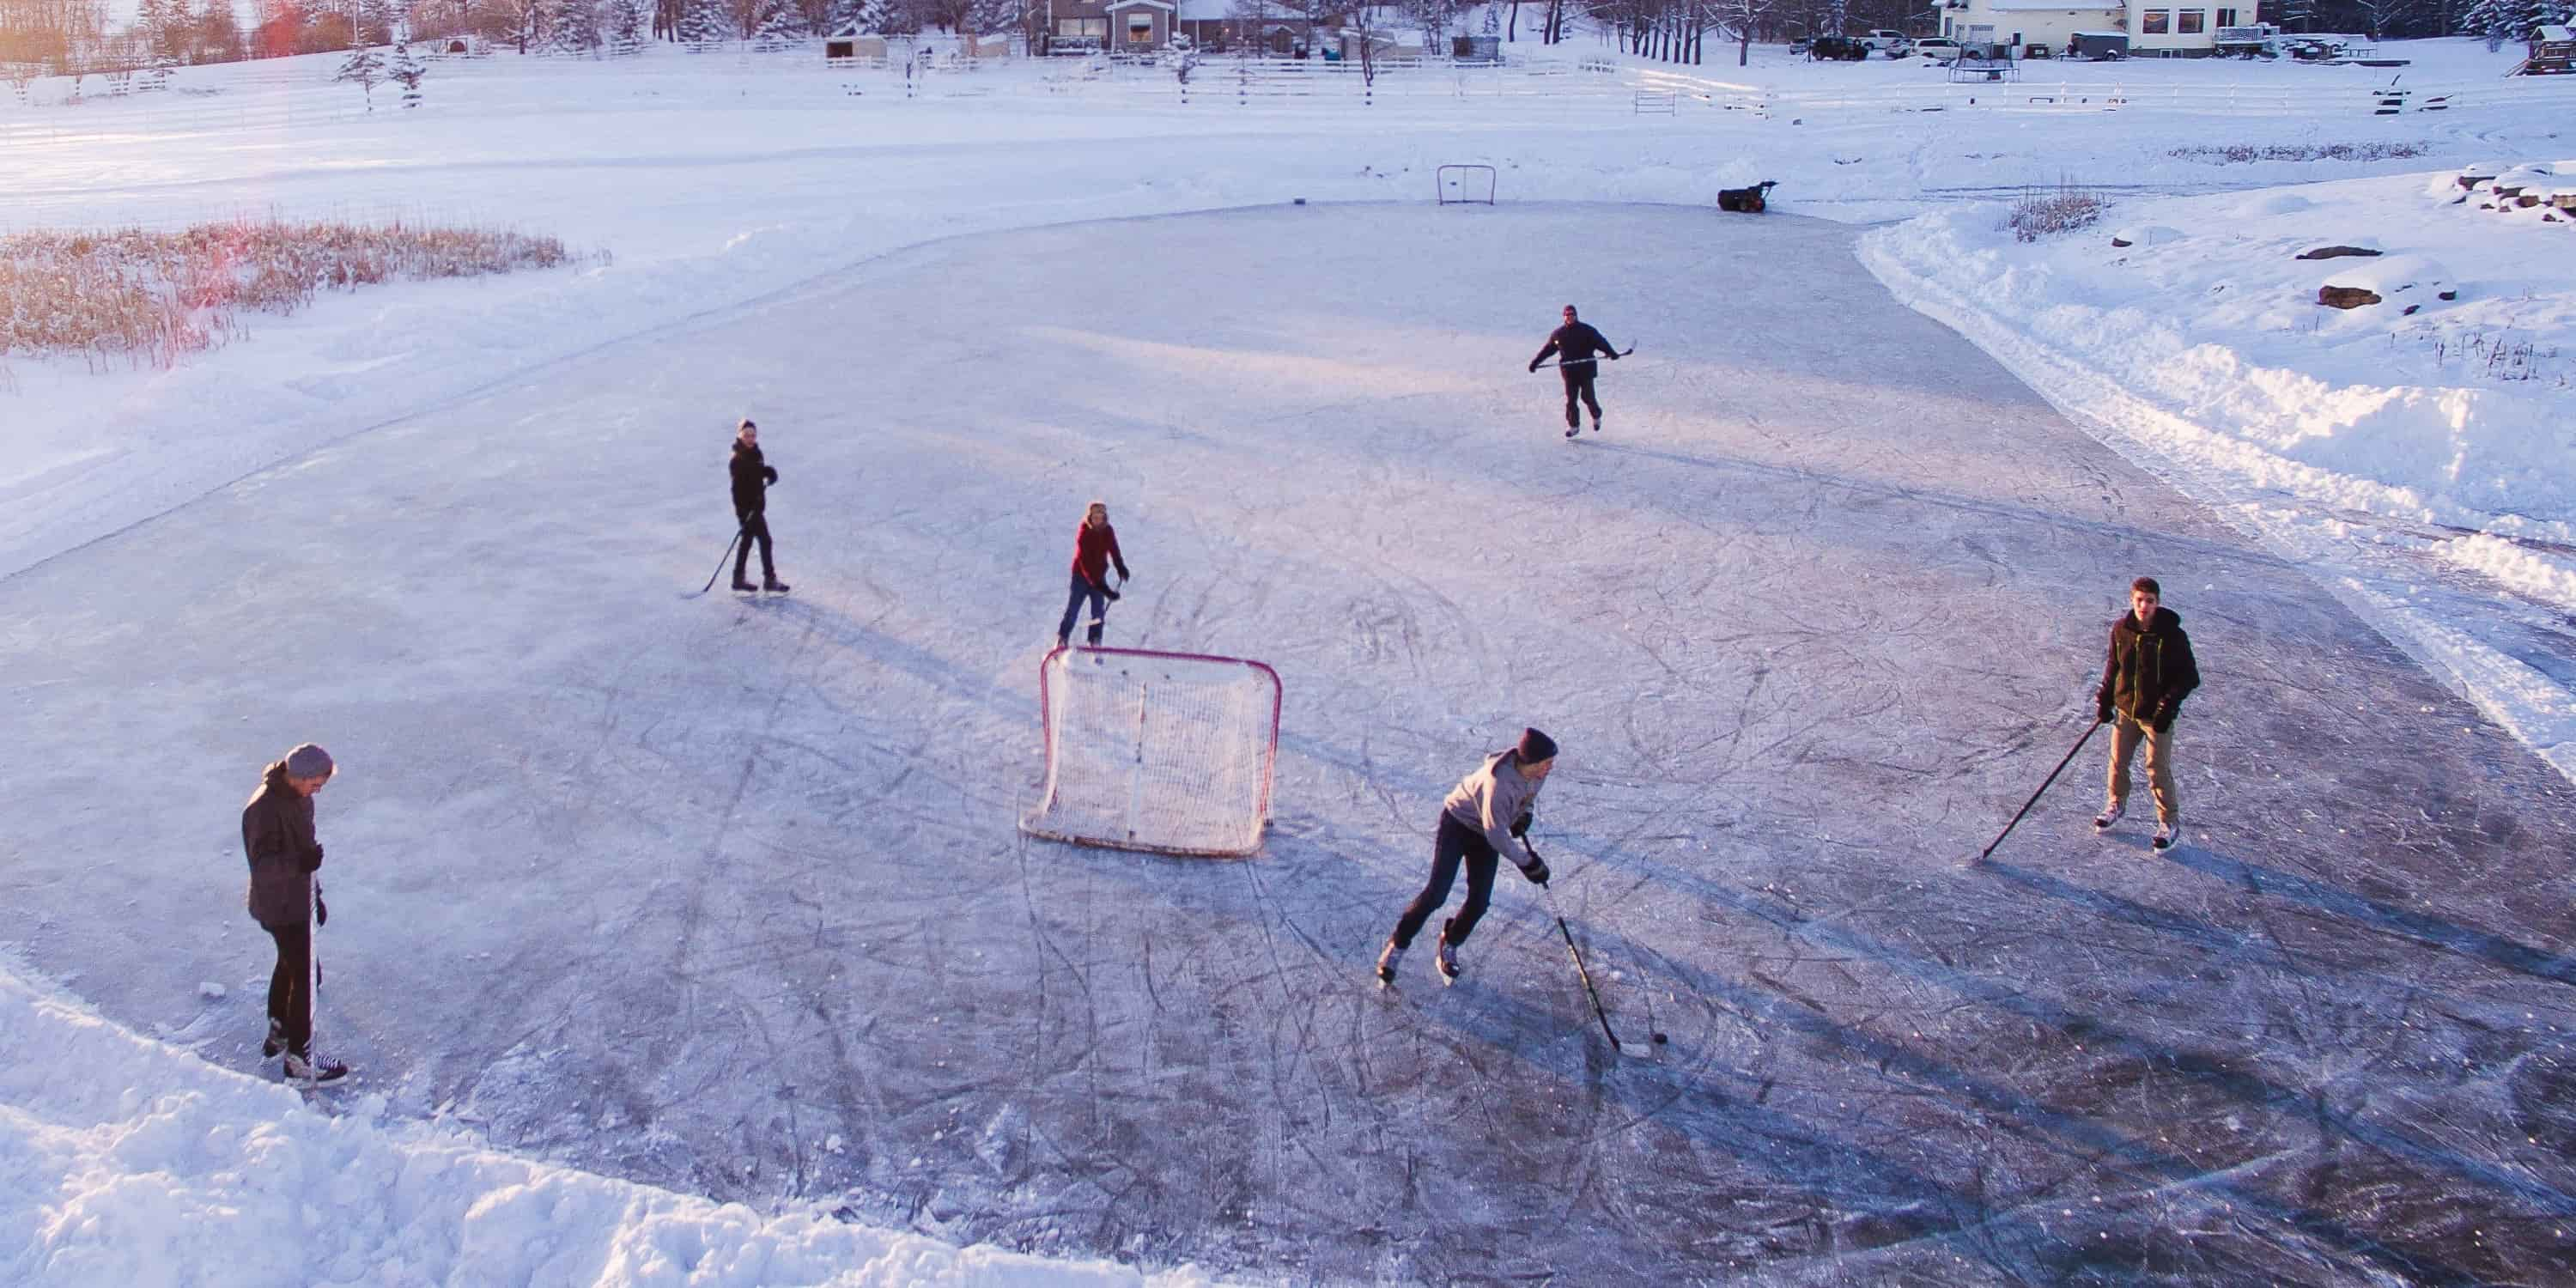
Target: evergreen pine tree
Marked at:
774, 24
629, 24
365, 67
702, 23
407, 71
572, 26
2489, 20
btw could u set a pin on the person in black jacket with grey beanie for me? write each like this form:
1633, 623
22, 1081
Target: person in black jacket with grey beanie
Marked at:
751, 479
2149, 672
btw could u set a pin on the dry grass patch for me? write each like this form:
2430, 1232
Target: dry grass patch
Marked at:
142, 296
2039, 214
2243, 153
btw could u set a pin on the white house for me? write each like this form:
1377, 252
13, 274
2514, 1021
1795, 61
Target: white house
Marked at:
2154, 27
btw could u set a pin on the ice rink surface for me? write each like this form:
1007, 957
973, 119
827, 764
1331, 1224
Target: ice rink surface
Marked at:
725, 893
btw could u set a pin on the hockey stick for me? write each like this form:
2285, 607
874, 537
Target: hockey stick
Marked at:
1568, 363
2043, 790
720, 562
313, 988
1579, 969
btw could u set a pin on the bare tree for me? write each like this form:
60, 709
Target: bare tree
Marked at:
2377, 16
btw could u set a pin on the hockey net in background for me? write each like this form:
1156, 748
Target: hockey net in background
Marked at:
1169, 752
1465, 184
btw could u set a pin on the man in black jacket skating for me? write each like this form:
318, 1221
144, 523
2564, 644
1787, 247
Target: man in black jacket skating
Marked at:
1575, 343
2148, 674
751, 479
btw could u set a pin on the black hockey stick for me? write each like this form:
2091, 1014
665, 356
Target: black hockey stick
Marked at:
1570, 362
720, 563
1580, 970
2043, 790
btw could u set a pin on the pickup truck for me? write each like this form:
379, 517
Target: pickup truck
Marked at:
1894, 44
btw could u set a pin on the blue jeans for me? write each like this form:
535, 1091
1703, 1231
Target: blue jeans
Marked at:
1073, 602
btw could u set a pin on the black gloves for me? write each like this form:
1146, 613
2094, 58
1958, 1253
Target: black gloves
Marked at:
321, 912
2163, 722
771, 471
1521, 825
1533, 365
1109, 593
1535, 870
1612, 355
2102, 713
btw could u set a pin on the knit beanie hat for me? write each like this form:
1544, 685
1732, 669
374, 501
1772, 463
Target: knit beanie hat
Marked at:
308, 761
1535, 747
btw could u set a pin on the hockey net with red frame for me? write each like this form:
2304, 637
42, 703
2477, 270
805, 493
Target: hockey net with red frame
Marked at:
1167, 752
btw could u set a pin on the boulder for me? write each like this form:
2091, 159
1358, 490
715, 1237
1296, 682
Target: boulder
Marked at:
2345, 297
2336, 252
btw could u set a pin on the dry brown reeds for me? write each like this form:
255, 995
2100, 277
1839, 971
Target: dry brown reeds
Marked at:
144, 296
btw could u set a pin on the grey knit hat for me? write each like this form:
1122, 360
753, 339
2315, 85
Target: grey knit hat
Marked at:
308, 761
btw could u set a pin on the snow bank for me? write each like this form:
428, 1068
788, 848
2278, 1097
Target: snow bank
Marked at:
128, 1162
2419, 437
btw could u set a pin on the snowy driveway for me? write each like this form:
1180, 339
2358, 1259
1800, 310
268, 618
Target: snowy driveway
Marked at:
725, 894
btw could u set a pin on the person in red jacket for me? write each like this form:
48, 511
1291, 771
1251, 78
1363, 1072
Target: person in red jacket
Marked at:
1095, 548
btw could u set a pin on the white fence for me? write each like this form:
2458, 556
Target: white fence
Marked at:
296, 93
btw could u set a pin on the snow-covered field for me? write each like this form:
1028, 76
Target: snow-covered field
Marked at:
723, 899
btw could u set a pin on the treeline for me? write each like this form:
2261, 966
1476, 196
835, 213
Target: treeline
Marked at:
62, 37
66, 37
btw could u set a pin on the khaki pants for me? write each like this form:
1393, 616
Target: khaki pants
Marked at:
2126, 732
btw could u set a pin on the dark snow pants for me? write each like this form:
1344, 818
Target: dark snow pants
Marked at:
755, 527
1457, 843
1578, 384
290, 986
1082, 588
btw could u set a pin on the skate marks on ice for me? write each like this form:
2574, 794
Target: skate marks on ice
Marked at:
749, 915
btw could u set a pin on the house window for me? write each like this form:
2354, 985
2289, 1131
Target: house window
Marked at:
2158, 22
1140, 29
2187, 21
1096, 28
2227, 17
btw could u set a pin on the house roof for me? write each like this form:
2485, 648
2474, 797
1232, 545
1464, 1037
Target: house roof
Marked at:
2042, 6
1207, 10
1115, 5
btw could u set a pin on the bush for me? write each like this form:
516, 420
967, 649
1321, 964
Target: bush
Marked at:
2039, 214
149, 296
2241, 153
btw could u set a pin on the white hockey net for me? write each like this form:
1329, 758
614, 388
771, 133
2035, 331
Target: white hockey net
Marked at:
1170, 752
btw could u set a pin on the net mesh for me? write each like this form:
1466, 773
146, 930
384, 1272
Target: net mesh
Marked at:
1157, 751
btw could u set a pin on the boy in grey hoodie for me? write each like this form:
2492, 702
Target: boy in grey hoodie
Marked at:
1484, 813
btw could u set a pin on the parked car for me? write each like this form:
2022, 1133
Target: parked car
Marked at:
1892, 43
1836, 49
1937, 48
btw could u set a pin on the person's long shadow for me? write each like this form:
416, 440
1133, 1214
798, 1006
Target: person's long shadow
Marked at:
2203, 1067
2423, 928
1800, 1154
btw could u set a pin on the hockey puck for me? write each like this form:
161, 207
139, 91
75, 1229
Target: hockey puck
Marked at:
1658, 1037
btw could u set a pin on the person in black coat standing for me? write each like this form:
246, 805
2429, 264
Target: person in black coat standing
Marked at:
2149, 672
751, 479
285, 898
1576, 343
